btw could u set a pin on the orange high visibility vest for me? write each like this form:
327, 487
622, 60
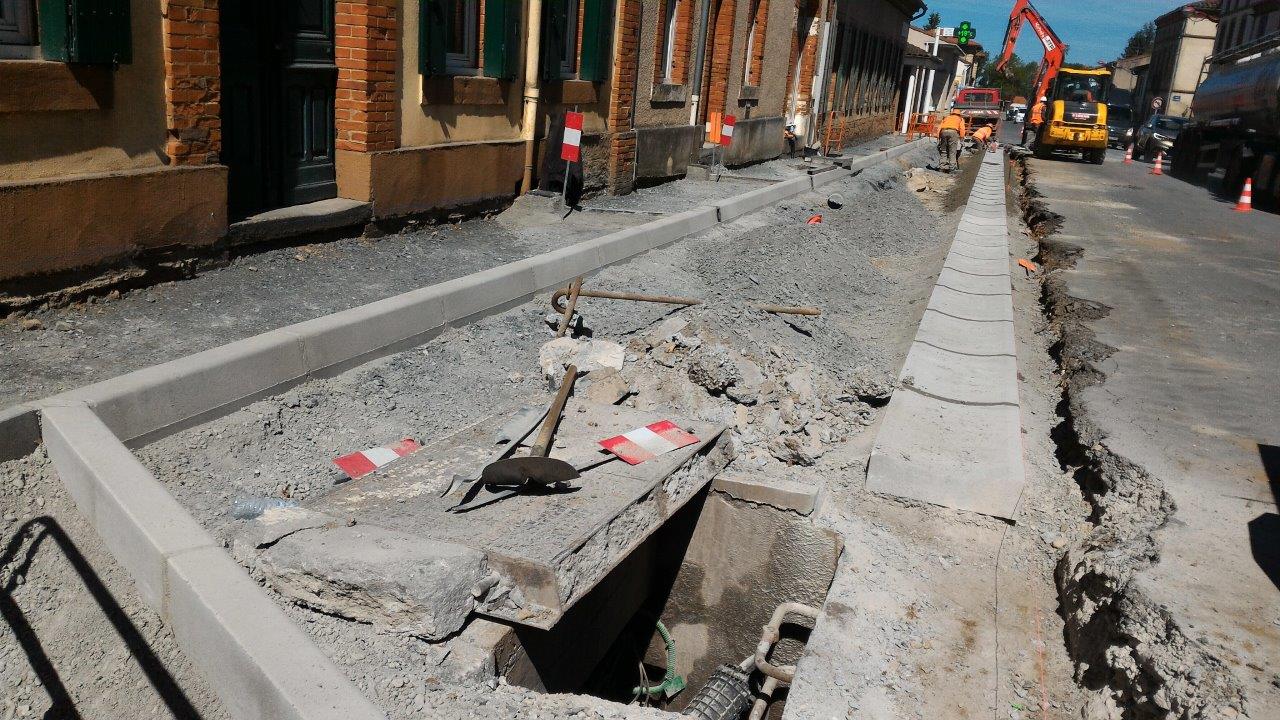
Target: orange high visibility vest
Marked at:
982, 133
952, 122
1037, 113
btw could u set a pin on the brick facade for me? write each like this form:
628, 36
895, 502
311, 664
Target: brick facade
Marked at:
622, 139
682, 39
365, 109
192, 82
758, 26
719, 57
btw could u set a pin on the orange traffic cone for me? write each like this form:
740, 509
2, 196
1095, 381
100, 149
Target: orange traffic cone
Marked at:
1159, 168
1246, 197
1128, 155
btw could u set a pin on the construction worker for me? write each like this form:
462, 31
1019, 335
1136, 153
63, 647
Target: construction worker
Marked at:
982, 136
950, 133
1034, 120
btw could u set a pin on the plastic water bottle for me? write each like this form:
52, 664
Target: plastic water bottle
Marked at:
250, 508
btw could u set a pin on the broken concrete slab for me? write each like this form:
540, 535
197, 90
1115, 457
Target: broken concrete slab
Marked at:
548, 549
778, 493
959, 456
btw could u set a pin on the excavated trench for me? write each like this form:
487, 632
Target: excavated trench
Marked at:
1126, 648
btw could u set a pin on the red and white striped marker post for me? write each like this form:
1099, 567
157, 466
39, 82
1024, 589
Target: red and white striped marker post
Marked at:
726, 135
358, 464
648, 442
1128, 155
1159, 168
1246, 197
570, 148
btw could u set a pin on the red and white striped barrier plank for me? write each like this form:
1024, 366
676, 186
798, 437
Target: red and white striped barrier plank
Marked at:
358, 464
570, 146
726, 130
648, 442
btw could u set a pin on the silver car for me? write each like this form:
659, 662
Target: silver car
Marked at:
1157, 135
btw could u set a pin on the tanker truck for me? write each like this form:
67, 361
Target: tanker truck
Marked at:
1234, 133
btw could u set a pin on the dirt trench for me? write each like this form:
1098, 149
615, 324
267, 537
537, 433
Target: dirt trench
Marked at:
1127, 650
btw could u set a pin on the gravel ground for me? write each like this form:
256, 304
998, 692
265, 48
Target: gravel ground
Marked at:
868, 265
76, 629
53, 350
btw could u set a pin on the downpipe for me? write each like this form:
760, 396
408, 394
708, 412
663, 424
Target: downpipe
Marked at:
532, 91
701, 55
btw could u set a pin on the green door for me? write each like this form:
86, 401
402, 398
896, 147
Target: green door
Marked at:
278, 83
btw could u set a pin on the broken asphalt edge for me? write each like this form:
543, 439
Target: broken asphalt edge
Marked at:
257, 660
156, 401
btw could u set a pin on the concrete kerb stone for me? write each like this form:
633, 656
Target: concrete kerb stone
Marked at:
975, 284
978, 252
19, 431
975, 338
977, 267
137, 519
740, 205
260, 664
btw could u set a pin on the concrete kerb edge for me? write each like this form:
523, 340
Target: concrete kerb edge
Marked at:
246, 647
152, 402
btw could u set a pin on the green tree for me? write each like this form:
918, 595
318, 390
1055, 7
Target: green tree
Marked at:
935, 19
1141, 41
1017, 80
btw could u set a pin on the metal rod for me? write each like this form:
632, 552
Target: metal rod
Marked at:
575, 289
610, 295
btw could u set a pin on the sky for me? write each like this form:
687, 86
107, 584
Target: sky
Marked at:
1092, 29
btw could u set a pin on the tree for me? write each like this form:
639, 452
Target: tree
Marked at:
935, 19
1141, 41
1019, 80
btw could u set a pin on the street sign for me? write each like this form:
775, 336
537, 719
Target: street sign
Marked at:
726, 130
1157, 103
965, 33
570, 146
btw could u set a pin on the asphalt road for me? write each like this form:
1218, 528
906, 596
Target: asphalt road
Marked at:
1191, 391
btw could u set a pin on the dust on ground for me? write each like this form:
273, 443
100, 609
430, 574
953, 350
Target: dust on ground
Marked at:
79, 641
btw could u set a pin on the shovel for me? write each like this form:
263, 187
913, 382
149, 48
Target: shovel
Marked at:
534, 469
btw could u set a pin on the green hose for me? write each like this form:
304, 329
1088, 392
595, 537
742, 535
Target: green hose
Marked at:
671, 682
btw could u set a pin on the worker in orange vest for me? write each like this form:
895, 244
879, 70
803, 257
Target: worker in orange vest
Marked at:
1034, 120
982, 136
950, 132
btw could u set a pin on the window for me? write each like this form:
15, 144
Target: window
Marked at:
667, 56
17, 28
462, 50
576, 38
569, 44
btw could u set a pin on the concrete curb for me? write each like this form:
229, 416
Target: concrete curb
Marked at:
257, 660
150, 403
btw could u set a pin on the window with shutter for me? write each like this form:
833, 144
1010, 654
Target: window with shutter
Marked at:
597, 31
501, 38
85, 32
16, 26
432, 37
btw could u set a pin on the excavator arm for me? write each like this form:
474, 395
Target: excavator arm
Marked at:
1055, 52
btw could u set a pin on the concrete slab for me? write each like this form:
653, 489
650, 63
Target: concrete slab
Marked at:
983, 239
977, 252
974, 284
979, 308
973, 266
977, 338
548, 549
961, 377
958, 456
778, 493
294, 220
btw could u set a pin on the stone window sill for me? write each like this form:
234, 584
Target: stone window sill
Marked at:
464, 90
749, 94
40, 86
664, 93
571, 92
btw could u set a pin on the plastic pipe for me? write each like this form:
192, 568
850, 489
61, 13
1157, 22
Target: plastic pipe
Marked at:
697, 64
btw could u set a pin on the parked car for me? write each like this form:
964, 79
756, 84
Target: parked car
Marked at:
1020, 116
1157, 135
1119, 126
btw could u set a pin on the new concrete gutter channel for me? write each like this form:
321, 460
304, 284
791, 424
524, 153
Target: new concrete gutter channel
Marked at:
952, 436
258, 662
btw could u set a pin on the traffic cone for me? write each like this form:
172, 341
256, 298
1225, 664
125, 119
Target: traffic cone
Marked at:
1245, 203
1159, 168
1128, 155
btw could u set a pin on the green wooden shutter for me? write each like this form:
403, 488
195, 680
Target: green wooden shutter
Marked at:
86, 32
501, 37
554, 16
432, 27
596, 33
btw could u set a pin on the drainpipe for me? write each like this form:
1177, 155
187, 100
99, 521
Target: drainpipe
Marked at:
532, 78
697, 64
911, 98
928, 93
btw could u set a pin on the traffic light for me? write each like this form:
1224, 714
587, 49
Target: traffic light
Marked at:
965, 33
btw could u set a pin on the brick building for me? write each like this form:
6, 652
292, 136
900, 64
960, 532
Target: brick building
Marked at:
1184, 38
159, 127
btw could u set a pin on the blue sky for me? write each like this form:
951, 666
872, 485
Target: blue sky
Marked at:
1092, 29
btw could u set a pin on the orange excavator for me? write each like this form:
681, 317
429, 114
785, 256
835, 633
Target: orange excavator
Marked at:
1075, 119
